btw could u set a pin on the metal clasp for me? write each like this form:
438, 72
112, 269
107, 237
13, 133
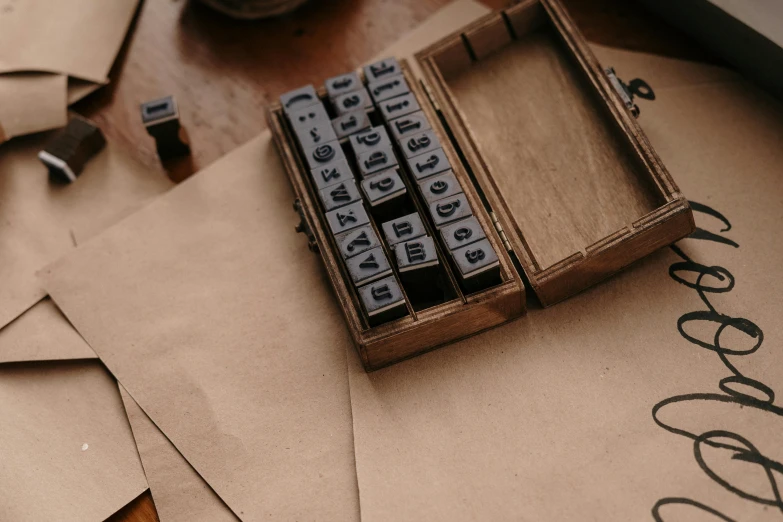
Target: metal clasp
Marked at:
636, 87
304, 228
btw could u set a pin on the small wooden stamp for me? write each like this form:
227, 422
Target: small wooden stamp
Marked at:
323, 154
403, 229
419, 143
461, 233
335, 172
376, 160
298, 99
339, 195
448, 210
389, 88
409, 124
399, 106
161, 118
477, 265
348, 217
342, 84
383, 301
386, 194
428, 164
314, 134
369, 140
66, 154
352, 101
351, 123
368, 266
357, 241
382, 69
440, 186
417, 261
308, 115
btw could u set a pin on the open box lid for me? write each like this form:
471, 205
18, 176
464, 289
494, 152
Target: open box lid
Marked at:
551, 141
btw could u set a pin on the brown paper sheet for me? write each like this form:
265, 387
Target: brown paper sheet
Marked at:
79, 38
180, 494
216, 318
68, 453
31, 102
552, 417
40, 221
42, 334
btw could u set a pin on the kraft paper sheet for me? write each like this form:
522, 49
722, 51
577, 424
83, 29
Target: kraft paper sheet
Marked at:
68, 452
552, 417
40, 220
179, 492
32, 102
42, 333
215, 317
549, 417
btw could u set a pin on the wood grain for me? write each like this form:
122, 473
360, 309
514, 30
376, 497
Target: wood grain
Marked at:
578, 202
223, 72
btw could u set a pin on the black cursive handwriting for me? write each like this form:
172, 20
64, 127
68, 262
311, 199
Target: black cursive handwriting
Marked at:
710, 280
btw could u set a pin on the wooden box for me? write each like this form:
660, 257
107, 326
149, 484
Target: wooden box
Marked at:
551, 159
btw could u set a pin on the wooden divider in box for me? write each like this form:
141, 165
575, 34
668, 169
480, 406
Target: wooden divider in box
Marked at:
422, 330
563, 164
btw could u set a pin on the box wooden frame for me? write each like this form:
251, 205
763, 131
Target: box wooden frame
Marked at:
425, 330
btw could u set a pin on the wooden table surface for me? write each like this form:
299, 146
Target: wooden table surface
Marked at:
224, 72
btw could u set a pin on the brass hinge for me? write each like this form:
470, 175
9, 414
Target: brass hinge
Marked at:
304, 228
428, 91
501, 232
623, 91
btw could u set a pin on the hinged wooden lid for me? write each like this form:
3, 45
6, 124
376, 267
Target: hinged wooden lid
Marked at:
573, 184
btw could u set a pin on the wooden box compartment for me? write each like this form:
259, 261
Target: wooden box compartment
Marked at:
557, 172
554, 148
466, 314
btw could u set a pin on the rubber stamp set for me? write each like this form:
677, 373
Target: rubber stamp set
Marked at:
513, 163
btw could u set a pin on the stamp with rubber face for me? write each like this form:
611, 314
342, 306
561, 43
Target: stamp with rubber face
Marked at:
357, 241
383, 301
428, 164
339, 195
403, 229
386, 194
409, 124
440, 186
450, 209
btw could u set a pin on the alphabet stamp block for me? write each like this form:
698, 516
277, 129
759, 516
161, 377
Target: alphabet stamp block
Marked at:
383, 301
342, 84
419, 143
306, 116
352, 101
398, 106
298, 99
420, 271
350, 123
409, 124
428, 164
348, 217
357, 241
323, 154
387, 194
368, 266
369, 140
403, 229
388, 88
335, 172
448, 210
478, 266
440, 186
382, 69
461, 233
376, 160
339, 195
